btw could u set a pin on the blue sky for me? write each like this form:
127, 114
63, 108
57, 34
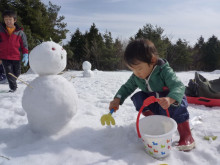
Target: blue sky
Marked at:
185, 19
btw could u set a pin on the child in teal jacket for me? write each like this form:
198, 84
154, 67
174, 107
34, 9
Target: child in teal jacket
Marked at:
155, 77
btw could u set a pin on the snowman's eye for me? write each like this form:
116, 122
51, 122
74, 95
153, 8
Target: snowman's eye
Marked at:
53, 48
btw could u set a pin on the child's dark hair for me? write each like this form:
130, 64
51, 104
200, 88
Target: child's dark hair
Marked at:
10, 13
141, 50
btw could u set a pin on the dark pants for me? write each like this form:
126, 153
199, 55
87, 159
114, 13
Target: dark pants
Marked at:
14, 67
179, 113
2, 71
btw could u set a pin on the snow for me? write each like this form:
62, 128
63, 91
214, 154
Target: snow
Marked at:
50, 103
50, 100
47, 58
86, 65
88, 73
84, 141
87, 69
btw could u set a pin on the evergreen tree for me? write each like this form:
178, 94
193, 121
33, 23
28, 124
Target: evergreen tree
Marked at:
5, 5
155, 34
108, 59
100, 50
77, 44
58, 31
70, 55
198, 53
179, 56
119, 52
108, 41
95, 45
211, 57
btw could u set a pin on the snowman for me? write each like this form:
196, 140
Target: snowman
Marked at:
87, 69
50, 101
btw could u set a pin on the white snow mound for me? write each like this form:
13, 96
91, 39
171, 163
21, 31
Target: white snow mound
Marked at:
50, 104
48, 58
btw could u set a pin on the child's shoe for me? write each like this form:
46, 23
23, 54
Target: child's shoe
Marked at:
186, 142
3, 79
12, 90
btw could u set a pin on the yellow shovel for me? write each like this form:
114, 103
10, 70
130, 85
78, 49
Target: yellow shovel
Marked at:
107, 118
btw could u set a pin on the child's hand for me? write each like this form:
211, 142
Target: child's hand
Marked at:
25, 59
114, 104
165, 102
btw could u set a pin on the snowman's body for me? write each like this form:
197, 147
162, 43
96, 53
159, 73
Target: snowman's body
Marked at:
51, 101
87, 69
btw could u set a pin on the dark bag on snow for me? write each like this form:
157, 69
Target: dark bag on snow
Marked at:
201, 87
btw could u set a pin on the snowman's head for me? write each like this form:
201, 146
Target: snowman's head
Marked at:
86, 65
48, 58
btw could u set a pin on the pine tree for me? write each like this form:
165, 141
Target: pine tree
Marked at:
109, 59
77, 45
180, 56
211, 56
95, 45
155, 34
198, 53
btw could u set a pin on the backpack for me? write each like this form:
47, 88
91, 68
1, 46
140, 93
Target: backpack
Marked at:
201, 87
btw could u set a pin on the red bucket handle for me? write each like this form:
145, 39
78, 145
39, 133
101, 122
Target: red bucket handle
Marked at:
146, 102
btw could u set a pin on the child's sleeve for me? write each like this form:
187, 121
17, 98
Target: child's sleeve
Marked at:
24, 43
127, 89
176, 87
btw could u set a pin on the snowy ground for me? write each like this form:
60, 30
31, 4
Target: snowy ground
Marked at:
84, 141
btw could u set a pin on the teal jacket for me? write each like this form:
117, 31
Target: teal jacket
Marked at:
161, 76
